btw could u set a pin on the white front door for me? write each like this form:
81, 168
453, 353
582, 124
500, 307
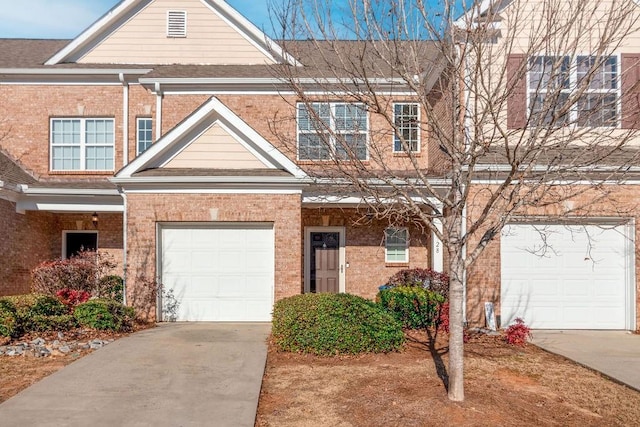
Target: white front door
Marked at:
219, 272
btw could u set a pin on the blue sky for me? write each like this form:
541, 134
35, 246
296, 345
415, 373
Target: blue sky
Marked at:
64, 19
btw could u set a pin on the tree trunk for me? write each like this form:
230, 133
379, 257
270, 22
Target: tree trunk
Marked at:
456, 318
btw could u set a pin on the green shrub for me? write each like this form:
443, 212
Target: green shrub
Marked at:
41, 323
327, 324
37, 304
104, 314
414, 307
111, 287
8, 318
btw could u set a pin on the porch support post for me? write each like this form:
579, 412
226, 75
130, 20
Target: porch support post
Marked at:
437, 258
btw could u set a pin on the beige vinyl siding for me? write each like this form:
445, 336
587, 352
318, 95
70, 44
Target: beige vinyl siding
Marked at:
143, 39
216, 149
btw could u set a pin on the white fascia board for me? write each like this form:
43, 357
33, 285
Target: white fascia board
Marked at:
379, 182
94, 29
71, 191
75, 71
468, 15
320, 200
230, 180
249, 31
262, 80
544, 168
33, 205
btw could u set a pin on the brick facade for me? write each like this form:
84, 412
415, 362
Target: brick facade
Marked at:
145, 211
365, 248
483, 279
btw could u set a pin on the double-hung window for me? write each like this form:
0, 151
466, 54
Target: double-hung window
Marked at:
332, 130
396, 245
82, 144
144, 134
407, 128
554, 79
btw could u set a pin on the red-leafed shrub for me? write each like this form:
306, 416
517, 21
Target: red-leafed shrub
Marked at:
71, 297
518, 333
82, 272
443, 318
422, 277
442, 323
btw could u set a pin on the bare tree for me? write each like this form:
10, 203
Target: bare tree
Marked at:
521, 106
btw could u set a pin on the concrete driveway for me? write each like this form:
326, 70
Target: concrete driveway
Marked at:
178, 374
614, 353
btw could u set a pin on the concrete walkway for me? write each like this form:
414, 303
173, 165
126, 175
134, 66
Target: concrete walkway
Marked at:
614, 353
178, 374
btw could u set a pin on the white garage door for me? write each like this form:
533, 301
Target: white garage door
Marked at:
566, 277
223, 273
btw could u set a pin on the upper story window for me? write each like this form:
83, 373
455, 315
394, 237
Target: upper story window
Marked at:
176, 23
328, 130
407, 120
553, 79
144, 134
82, 144
396, 245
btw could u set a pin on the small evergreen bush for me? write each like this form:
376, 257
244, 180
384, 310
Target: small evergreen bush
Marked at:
329, 324
41, 323
111, 287
104, 314
414, 307
423, 278
8, 318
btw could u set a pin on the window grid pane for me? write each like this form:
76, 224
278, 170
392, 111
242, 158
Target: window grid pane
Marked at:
145, 134
397, 245
326, 128
68, 145
551, 81
406, 121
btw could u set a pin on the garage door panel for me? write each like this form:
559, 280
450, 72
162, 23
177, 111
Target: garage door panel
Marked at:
580, 281
220, 274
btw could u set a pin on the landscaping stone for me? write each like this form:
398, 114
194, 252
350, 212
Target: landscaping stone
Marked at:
39, 347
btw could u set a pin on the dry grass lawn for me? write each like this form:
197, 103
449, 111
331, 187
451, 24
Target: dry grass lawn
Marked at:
505, 386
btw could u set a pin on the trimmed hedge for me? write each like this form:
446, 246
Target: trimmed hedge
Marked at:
104, 314
8, 318
40, 323
330, 324
414, 307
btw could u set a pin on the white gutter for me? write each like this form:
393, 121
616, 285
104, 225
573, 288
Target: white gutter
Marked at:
74, 71
124, 247
69, 191
125, 120
158, 93
207, 180
263, 80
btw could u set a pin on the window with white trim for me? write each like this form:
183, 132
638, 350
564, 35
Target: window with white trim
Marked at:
407, 135
176, 23
553, 79
396, 242
332, 130
144, 134
82, 144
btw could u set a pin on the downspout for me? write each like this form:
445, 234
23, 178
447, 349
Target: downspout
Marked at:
124, 245
158, 111
125, 120
467, 136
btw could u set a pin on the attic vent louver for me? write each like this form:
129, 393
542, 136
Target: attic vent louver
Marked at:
176, 23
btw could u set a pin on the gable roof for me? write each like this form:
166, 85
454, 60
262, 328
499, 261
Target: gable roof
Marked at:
12, 174
106, 25
185, 133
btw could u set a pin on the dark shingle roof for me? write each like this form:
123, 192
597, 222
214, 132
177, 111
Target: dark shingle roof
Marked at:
13, 174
